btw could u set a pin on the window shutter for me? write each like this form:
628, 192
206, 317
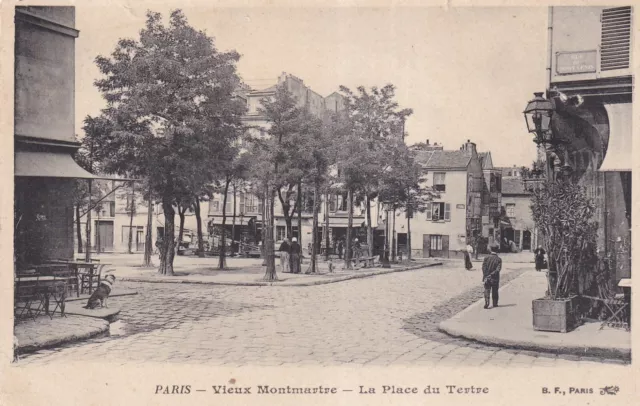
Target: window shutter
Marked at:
615, 38
447, 212
428, 211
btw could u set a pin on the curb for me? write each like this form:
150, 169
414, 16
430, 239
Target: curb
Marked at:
314, 283
77, 299
454, 328
102, 330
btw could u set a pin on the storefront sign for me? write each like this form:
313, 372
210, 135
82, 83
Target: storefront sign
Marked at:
571, 63
459, 206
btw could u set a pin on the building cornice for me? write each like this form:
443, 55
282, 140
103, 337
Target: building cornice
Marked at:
35, 19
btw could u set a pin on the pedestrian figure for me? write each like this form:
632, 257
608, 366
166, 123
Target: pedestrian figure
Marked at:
467, 257
356, 251
491, 277
539, 257
284, 255
340, 248
294, 256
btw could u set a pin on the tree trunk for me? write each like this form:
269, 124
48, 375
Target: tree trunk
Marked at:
314, 232
181, 212
393, 238
148, 241
87, 252
167, 249
270, 274
347, 255
300, 212
326, 226
233, 221
199, 227
408, 236
131, 214
369, 228
79, 229
222, 263
265, 208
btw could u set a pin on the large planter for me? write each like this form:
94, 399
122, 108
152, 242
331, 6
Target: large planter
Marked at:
559, 315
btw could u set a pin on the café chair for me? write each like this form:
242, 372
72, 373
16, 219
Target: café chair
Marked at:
29, 299
90, 278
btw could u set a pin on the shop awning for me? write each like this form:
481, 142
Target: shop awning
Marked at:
618, 155
52, 165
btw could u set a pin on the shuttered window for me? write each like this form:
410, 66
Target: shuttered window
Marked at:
615, 38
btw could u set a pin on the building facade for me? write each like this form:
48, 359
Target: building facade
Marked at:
456, 215
44, 134
516, 205
591, 82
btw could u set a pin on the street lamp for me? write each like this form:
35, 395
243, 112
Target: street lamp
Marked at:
538, 114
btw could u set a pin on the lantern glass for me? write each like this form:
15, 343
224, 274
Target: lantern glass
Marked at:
538, 117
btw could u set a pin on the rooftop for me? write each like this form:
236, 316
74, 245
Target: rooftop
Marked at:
513, 186
440, 159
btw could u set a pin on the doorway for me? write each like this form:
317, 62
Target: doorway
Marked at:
104, 236
526, 240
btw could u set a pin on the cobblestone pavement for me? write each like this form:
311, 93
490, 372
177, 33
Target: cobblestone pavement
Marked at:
384, 320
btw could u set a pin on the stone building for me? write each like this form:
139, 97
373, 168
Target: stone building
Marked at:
44, 133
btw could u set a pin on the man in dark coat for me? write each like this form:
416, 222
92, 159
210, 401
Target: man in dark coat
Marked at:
340, 249
491, 277
294, 255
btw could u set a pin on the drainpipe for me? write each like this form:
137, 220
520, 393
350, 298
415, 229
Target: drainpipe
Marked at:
549, 49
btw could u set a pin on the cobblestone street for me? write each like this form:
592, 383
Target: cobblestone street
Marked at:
384, 320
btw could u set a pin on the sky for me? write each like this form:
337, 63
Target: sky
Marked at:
467, 73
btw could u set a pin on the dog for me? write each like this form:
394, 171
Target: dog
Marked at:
101, 294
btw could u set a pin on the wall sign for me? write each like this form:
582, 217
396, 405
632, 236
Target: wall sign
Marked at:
459, 206
571, 63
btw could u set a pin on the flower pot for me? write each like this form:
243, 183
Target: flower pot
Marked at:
559, 315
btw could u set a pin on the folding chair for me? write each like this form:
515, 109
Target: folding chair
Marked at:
58, 292
617, 306
90, 279
27, 294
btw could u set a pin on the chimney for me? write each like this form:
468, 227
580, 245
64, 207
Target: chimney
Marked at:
427, 142
469, 148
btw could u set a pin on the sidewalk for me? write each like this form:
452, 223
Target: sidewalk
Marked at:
252, 276
510, 325
79, 324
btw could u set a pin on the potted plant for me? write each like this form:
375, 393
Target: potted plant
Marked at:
564, 215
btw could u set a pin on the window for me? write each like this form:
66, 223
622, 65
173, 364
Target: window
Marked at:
615, 38
333, 203
307, 202
342, 202
439, 182
112, 209
250, 203
215, 206
229, 207
125, 233
281, 233
511, 210
439, 211
260, 206
436, 242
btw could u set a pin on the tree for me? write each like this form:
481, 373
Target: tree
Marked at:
170, 102
287, 129
375, 120
402, 185
564, 214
